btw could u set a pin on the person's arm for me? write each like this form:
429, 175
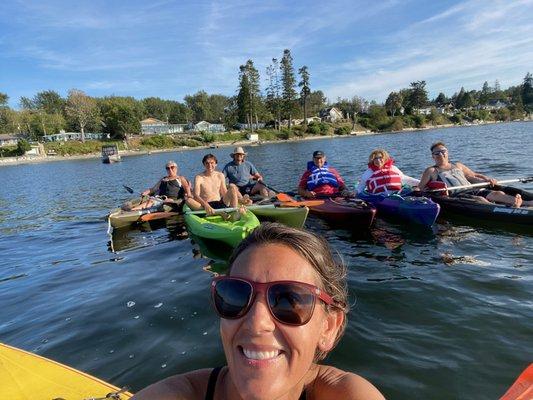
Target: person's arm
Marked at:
333, 383
153, 190
222, 188
302, 186
362, 183
186, 187
426, 177
254, 173
475, 177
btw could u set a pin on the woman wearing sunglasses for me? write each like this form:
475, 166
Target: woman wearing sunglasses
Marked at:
172, 190
382, 176
283, 308
447, 174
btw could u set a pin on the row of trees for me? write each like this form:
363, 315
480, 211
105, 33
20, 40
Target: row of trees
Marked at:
416, 97
284, 98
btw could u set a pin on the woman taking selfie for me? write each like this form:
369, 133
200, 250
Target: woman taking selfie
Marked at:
282, 309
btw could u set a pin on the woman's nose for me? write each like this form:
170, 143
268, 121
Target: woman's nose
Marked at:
259, 319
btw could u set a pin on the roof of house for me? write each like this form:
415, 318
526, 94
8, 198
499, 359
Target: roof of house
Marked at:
7, 136
150, 120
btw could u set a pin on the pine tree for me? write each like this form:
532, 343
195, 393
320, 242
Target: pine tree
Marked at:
527, 92
288, 82
306, 90
273, 99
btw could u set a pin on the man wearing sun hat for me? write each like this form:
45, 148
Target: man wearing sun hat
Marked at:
320, 179
244, 175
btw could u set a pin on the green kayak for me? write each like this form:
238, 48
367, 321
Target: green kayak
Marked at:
290, 216
222, 227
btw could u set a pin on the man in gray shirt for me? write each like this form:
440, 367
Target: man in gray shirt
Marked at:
244, 175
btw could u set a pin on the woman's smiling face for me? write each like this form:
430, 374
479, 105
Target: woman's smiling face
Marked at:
266, 358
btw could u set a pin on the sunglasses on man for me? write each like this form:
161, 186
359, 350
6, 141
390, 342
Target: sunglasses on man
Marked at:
170, 167
289, 302
440, 152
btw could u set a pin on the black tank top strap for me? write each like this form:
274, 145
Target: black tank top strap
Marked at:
213, 376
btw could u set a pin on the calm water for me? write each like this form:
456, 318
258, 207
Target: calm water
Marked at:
440, 314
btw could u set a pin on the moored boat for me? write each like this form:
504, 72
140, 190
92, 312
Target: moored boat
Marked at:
216, 227
469, 206
110, 154
29, 376
352, 213
419, 210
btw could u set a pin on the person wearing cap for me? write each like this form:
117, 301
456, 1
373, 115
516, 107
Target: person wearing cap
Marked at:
243, 174
172, 190
320, 179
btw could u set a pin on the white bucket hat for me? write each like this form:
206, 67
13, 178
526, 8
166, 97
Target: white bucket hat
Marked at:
237, 150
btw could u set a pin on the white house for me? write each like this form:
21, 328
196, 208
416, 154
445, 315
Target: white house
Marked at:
63, 136
204, 126
8, 140
153, 126
331, 114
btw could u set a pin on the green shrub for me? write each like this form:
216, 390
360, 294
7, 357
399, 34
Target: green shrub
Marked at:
314, 129
342, 130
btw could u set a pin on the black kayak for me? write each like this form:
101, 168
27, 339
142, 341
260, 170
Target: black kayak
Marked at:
468, 206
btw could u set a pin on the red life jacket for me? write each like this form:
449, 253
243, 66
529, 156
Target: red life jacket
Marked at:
383, 179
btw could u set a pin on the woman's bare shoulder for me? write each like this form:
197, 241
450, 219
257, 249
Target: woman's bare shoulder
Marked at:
335, 383
189, 386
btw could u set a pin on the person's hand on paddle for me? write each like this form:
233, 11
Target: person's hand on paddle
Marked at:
493, 182
209, 210
310, 194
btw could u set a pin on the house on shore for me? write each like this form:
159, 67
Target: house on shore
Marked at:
63, 136
331, 114
8, 140
204, 126
153, 126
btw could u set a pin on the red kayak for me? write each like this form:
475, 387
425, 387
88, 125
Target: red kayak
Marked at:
345, 212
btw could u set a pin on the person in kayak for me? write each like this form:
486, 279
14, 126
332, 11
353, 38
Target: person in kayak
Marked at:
382, 176
210, 191
447, 174
244, 175
171, 191
320, 179
282, 308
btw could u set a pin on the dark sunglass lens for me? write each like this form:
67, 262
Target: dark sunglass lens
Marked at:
290, 303
231, 297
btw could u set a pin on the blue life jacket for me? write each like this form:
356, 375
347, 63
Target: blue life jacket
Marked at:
320, 176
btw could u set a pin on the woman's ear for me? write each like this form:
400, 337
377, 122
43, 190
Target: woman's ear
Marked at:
330, 326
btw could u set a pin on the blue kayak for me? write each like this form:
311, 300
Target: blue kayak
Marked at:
414, 209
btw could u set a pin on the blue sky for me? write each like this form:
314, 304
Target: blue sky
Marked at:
170, 49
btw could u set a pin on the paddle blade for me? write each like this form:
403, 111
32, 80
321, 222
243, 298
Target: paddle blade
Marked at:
306, 203
158, 215
130, 190
522, 388
284, 197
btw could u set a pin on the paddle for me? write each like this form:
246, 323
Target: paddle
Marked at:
482, 184
522, 388
130, 190
288, 201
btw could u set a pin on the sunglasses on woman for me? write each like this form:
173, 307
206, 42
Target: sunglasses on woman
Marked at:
441, 152
289, 302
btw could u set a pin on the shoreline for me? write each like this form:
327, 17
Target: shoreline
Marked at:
7, 161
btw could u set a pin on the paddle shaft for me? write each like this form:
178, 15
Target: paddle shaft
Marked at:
482, 184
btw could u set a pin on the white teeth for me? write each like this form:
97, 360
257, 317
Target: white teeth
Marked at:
260, 355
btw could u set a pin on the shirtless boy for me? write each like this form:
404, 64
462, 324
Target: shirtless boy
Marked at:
210, 191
